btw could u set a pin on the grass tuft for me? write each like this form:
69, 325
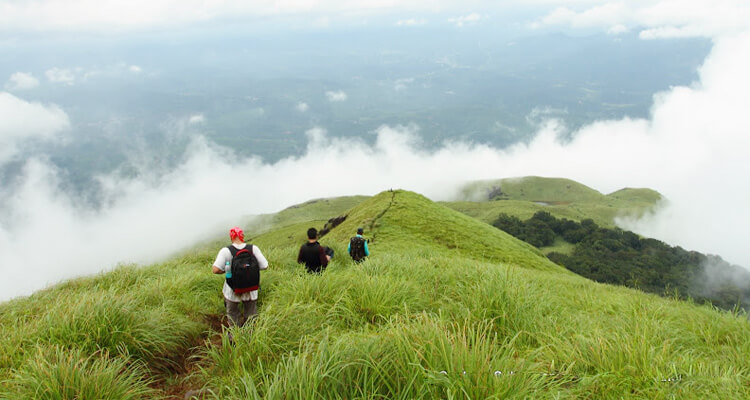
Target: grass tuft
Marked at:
59, 373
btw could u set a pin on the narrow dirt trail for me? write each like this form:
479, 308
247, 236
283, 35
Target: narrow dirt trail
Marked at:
380, 215
178, 379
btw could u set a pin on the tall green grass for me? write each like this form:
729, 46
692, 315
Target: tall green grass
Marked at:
58, 373
560, 336
126, 326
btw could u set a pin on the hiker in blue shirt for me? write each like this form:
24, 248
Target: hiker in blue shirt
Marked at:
358, 247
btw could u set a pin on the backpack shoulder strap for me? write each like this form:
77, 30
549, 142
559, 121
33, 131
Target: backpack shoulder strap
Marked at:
232, 250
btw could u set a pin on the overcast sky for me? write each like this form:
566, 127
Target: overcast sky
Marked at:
692, 147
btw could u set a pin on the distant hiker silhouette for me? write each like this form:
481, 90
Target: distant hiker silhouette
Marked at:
241, 263
313, 255
357, 248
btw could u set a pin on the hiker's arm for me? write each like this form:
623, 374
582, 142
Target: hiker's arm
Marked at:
262, 262
221, 259
299, 256
367, 250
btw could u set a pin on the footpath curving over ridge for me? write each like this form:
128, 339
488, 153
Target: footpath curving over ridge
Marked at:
403, 220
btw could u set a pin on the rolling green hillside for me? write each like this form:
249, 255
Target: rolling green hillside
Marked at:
563, 198
645, 196
532, 188
445, 307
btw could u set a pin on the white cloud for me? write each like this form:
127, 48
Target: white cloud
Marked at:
411, 22
337, 96
70, 76
660, 18
21, 121
302, 107
196, 119
469, 19
61, 75
21, 81
609, 14
617, 29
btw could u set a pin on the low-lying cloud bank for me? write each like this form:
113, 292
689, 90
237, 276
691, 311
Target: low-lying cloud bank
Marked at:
22, 121
693, 149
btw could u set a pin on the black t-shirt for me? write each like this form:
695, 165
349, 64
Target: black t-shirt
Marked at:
313, 255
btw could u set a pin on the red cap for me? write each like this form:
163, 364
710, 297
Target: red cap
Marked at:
236, 232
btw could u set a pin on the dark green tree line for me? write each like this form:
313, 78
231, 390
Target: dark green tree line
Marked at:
622, 257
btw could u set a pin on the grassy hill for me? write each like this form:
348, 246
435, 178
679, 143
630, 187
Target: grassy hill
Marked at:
312, 210
445, 307
563, 198
533, 188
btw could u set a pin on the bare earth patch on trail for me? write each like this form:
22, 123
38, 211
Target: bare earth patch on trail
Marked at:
179, 380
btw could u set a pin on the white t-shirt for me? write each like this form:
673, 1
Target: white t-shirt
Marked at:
225, 256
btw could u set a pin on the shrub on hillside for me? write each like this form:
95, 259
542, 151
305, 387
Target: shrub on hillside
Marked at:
536, 231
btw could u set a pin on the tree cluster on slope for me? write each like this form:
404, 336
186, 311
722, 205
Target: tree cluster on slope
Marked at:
622, 257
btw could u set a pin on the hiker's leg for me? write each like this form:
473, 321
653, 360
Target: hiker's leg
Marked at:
233, 312
251, 309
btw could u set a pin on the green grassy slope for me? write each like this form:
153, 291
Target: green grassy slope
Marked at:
646, 196
535, 188
318, 209
442, 309
563, 198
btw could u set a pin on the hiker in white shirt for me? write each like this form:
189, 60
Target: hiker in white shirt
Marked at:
249, 297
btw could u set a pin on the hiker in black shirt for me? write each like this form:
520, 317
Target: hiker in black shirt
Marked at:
313, 254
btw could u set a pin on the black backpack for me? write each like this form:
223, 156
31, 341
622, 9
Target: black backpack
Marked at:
245, 270
357, 248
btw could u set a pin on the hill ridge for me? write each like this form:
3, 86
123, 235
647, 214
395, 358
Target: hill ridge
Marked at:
404, 220
562, 197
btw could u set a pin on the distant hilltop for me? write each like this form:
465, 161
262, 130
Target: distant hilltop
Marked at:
561, 197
